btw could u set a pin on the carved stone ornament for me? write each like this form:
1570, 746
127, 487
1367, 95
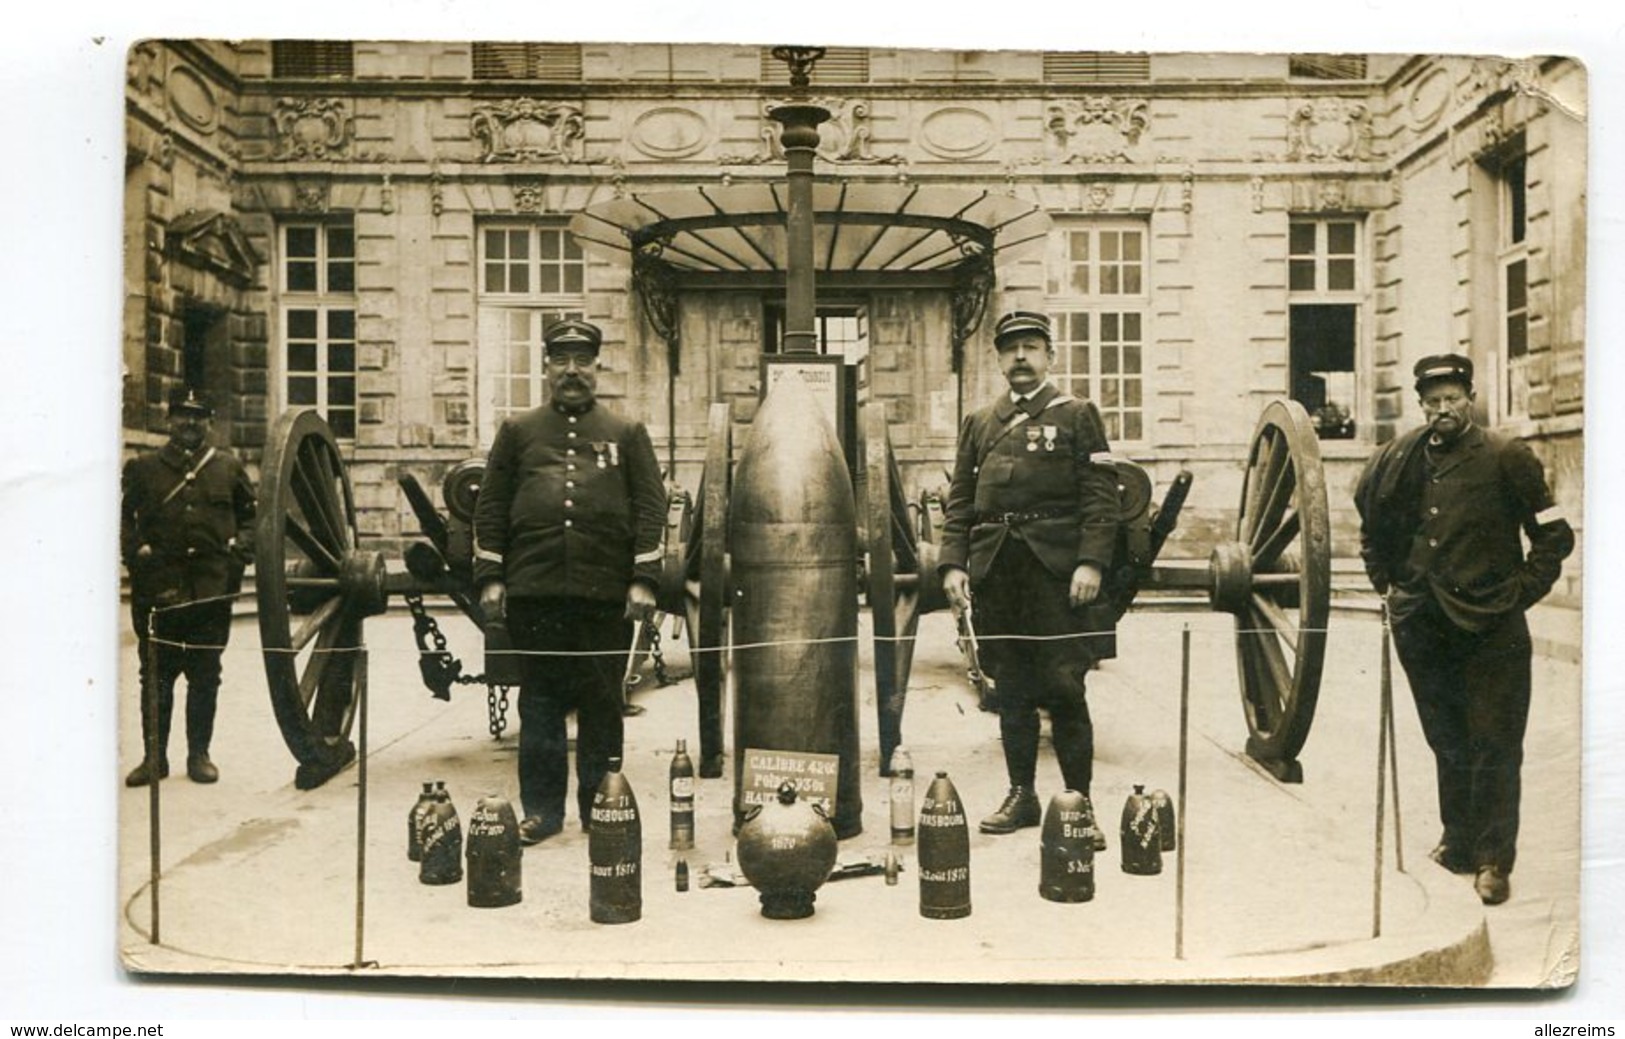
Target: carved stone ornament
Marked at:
529, 194
1334, 196
1100, 196
310, 197
1329, 129
843, 137
312, 128
210, 240
1256, 186
524, 129
1094, 129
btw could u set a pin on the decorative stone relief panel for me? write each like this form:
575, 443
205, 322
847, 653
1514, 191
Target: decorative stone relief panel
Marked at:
312, 128
1095, 129
843, 138
192, 100
670, 132
1427, 99
1329, 129
213, 241
528, 130
958, 132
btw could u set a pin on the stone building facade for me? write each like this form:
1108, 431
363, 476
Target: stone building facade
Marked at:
381, 230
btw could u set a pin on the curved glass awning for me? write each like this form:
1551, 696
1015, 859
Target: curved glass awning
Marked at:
857, 227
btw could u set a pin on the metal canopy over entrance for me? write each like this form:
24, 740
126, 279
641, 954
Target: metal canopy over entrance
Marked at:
919, 234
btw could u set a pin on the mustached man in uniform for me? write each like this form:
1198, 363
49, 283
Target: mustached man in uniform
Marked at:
567, 546
1444, 510
185, 536
1030, 524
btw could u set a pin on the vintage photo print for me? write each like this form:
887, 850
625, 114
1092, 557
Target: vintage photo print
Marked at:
860, 513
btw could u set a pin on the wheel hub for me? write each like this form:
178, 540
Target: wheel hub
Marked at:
1230, 577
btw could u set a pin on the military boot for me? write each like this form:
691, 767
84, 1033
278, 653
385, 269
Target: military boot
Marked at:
1019, 811
199, 769
141, 775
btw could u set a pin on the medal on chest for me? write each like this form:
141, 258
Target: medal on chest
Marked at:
1032, 438
1050, 433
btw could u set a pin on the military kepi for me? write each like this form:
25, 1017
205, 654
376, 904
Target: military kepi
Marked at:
568, 334
1444, 366
187, 398
1021, 322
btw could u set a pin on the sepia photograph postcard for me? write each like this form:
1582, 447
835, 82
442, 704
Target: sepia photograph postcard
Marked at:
851, 513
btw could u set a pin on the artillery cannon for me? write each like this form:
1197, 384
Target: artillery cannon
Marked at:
316, 584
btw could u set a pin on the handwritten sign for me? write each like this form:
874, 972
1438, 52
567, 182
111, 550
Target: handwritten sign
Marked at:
815, 776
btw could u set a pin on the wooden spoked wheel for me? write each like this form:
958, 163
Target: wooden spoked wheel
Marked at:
901, 572
1276, 580
707, 587
313, 589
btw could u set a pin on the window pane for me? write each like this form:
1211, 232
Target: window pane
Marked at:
1131, 327
496, 245
1131, 360
341, 324
1109, 324
1131, 246
519, 279
301, 276
1301, 275
1131, 392
496, 279
548, 245
573, 279
1109, 245
1110, 281
1077, 327
341, 276
1131, 281
519, 325
519, 393
1114, 426
1302, 239
547, 280
1078, 246
1108, 394
519, 245
1340, 239
1340, 275
341, 389
341, 357
302, 390
301, 357
340, 242
1108, 362
301, 324
1080, 360
1080, 279
572, 248
301, 241
519, 358
1517, 285
342, 421
1132, 426
1517, 335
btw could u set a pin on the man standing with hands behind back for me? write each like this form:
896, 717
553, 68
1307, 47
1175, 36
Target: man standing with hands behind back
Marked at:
1030, 524
567, 546
1442, 509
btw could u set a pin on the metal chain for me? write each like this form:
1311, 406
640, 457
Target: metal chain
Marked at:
496, 707
661, 677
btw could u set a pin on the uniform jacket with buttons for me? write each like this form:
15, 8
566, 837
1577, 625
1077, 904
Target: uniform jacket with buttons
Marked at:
1031, 478
571, 505
198, 523
1447, 523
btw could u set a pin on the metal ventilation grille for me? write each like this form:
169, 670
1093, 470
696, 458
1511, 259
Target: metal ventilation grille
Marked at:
312, 59
549, 62
1326, 66
838, 65
1095, 67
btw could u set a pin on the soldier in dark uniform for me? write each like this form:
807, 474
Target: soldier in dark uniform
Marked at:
1030, 524
567, 545
1441, 510
185, 535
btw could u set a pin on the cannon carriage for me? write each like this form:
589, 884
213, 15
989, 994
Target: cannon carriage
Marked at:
317, 585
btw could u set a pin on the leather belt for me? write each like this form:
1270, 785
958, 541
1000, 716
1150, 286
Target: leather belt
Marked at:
1011, 519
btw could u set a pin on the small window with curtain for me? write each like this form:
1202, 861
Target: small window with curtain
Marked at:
541, 62
1326, 66
312, 59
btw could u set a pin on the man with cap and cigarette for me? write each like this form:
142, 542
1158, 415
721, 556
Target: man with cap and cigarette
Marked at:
567, 547
1030, 525
1444, 510
186, 528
